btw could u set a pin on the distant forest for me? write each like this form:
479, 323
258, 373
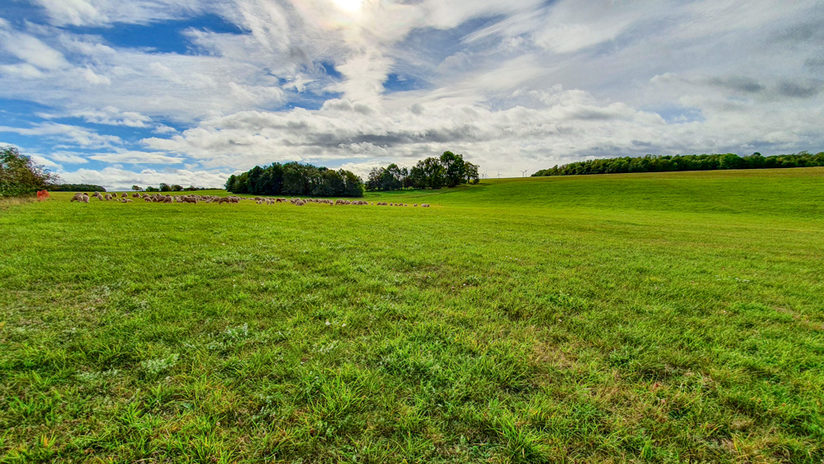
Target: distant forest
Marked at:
653, 163
296, 179
75, 188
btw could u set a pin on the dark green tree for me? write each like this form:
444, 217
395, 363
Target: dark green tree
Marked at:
454, 169
353, 185
471, 172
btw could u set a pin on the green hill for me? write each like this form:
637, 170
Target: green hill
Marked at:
794, 192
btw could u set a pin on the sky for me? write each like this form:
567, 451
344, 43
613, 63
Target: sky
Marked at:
119, 93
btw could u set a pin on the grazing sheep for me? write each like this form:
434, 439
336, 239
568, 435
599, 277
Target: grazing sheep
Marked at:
425, 205
82, 197
124, 195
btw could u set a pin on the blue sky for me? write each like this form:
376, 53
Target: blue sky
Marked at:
189, 91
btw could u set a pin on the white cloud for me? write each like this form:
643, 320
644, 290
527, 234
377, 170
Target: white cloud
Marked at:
108, 115
105, 12
67, 157
137, 157
30, 49
94, 78
43, 161
67, 133
115, 178
21, 70
164, 129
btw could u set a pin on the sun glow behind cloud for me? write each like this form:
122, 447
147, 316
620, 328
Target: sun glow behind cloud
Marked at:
349, 6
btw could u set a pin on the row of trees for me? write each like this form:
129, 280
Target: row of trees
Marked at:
448, 170
19, 175
75, 188
296, 179
168, 188
652, 163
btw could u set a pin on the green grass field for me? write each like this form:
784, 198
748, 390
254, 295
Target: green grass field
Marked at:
665, 317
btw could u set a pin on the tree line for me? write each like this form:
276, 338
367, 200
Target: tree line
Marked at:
75, 188
168, 188
653, 163
296, 179
448, 170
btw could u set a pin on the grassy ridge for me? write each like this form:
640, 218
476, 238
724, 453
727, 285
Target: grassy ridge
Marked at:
658, 317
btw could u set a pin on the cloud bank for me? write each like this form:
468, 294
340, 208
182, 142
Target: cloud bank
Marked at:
191, 91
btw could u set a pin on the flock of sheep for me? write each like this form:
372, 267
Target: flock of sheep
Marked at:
160, 198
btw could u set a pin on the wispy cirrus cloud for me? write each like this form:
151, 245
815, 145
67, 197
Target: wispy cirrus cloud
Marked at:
77, 135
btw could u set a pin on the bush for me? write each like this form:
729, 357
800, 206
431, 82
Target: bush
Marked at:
19, 175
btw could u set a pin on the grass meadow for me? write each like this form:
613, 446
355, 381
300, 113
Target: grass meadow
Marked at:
664, 317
